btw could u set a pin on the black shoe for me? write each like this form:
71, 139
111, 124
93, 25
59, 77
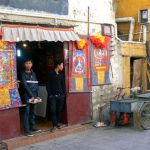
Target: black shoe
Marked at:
35, 130
58, 126
28, 134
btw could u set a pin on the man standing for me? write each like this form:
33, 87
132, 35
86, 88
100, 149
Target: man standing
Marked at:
56, 93
30, 86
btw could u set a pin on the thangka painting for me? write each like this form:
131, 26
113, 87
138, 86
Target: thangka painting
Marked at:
9, 98
79, 63
15, 98
100, 62
4, 98
6, 69
79, 71
12, 47
9, 95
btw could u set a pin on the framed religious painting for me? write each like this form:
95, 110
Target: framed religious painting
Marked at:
100, 64
79, 80
79, 63
79, 69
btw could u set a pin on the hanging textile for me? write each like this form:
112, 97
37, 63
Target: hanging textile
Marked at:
6, 69
79, 67
4, 98
15, 98
9, 95
100, 60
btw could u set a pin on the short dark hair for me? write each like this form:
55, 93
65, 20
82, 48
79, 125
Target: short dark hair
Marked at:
57, 62
27, 60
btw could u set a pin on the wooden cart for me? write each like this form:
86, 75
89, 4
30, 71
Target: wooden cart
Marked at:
138, 108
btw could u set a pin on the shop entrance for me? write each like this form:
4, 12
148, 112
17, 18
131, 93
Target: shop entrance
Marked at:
43, 55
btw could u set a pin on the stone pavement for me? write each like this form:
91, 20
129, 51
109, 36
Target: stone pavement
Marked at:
122, 138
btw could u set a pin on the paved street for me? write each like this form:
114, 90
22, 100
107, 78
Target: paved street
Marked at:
123, 138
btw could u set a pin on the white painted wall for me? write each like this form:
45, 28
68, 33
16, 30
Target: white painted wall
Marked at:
101, 11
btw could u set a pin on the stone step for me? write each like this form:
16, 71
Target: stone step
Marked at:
22, 141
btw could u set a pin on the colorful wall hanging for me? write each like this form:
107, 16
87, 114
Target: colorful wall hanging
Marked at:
100, 61
12, 47
15, 98
9, 95
79, 67
6, 69
79, 63
4, 98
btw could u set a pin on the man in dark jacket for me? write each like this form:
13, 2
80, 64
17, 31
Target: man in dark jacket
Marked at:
30, 86
56, 93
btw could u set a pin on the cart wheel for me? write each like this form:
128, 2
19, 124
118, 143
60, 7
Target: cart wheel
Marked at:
145, 116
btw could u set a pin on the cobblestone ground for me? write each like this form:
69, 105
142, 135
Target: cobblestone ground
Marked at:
123, 138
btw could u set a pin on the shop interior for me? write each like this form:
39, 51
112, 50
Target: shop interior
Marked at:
43, 55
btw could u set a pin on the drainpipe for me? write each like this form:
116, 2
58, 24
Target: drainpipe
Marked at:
144, 33
132, 23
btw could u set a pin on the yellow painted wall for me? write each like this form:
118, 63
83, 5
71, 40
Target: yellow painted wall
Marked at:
126, 75
129, 8
134, 50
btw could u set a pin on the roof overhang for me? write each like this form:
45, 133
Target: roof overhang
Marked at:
16, 33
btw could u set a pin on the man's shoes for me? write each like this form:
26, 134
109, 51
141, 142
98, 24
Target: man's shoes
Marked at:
53, 129
58, 126
35, 130
29, 134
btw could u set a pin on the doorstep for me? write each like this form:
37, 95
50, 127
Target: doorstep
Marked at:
22, 141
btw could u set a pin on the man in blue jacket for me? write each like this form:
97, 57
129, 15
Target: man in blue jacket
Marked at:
30, 86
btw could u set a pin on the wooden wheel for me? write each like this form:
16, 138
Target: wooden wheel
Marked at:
145, 116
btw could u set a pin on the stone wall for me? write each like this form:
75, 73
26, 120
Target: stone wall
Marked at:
102, 95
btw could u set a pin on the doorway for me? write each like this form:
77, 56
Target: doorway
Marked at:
136, 72
43, 55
